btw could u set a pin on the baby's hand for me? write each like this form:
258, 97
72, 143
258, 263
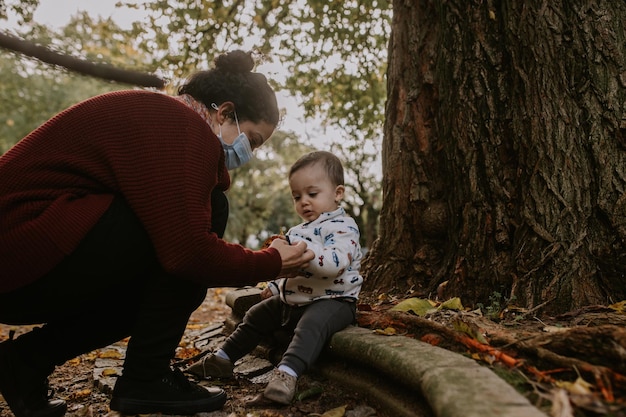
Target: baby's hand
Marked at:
266, 293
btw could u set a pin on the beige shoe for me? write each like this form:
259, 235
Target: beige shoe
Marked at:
281, 388
212, 366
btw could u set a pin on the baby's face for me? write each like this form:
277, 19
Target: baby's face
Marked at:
313, 192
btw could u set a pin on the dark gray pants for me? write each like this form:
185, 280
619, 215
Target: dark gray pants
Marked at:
112, 286
312, 326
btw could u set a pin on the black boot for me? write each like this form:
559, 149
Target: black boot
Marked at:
24, 388
170, 394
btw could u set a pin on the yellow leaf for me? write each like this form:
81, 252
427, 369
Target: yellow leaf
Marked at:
335, 412
110, 354
80, 394
109, 372
580, 386
419, 306
389, 331
621, 306
471, 331
452, 304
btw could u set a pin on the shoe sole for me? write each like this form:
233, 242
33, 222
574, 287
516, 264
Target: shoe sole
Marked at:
134, 406
278, 397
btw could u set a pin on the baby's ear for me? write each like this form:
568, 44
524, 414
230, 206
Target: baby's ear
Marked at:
339, 192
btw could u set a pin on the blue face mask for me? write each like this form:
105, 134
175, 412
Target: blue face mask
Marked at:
239, 152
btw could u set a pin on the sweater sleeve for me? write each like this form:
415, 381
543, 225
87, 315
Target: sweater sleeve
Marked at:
166, 169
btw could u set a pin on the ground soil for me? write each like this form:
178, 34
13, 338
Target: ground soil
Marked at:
74, 382
573, 365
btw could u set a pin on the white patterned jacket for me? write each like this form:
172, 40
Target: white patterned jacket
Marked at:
334, 272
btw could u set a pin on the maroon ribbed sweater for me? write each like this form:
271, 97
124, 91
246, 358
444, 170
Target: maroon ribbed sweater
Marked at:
147, 147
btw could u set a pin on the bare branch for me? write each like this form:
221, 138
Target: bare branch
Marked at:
98, 70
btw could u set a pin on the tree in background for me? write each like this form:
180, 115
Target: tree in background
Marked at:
33, 92
504, 156
335, 53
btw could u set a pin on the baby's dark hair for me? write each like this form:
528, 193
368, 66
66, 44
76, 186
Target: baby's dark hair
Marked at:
232, 79
331, 163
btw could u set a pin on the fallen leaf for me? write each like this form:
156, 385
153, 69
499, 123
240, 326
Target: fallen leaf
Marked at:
389, 331
561, 406
80, 394
452, 304
109, 372
335, 412
311, 392
418, 306
110, 354
578, 387
470, 330
431, 338
620, 306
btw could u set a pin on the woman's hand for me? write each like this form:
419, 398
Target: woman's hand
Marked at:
294, 257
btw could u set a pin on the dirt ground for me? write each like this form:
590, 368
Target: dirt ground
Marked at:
74, 382
573, 365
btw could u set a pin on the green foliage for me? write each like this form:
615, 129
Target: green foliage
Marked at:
497, 304
23, 9
33, 93
334, 51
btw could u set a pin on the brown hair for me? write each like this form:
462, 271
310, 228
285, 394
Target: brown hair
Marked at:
332, 164
232, 79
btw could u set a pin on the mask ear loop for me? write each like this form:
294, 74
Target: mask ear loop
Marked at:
237, 121
214, 106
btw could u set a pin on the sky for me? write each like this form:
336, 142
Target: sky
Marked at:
49, 13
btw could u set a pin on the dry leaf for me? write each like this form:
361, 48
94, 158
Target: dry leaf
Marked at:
561, 407
578, 387
389, 331
620, 307
110, 354
555, 329
418, 306
335, 412
80, 394
109, 372
452, 304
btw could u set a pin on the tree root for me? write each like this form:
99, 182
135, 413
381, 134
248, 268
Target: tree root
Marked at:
594, 353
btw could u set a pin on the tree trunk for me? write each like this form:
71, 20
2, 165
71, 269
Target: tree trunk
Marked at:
504, 155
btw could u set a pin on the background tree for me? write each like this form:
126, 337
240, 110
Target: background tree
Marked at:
334, 51
504, 156
33, 92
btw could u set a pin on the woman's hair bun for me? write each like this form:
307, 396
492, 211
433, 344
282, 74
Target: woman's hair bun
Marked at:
235, 61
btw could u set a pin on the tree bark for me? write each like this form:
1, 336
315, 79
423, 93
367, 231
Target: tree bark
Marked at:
505, 153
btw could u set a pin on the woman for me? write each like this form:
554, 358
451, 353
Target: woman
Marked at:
111, 218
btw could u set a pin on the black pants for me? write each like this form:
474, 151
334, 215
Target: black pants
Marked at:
311, 327
112, 286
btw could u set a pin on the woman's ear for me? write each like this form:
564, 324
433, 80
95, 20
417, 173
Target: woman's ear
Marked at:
224, 111
339, 192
